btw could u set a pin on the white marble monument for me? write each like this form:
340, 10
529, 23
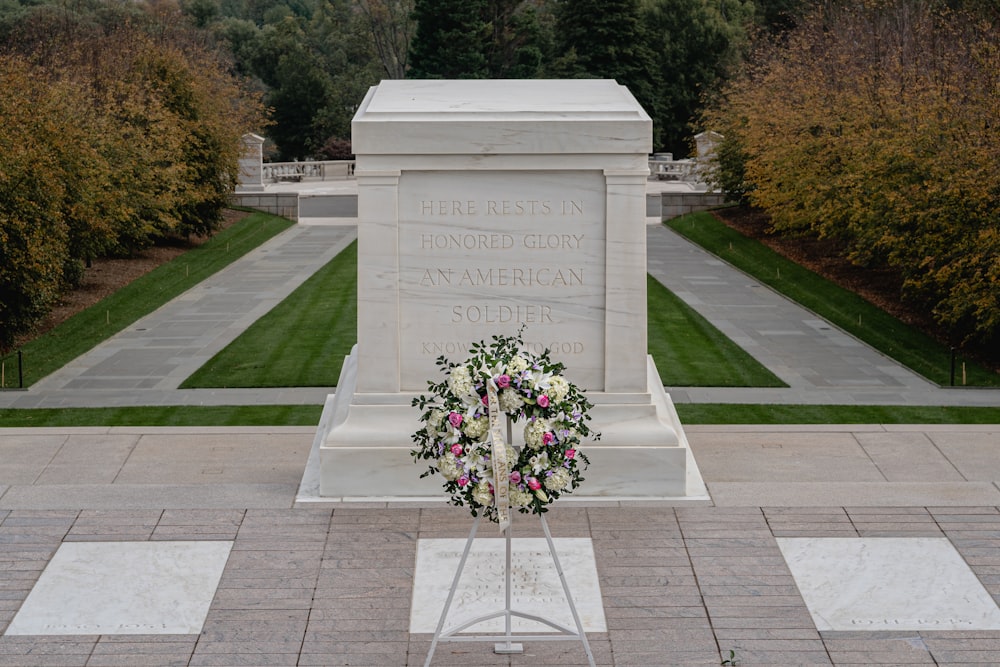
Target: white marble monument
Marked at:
251, 176
484, 206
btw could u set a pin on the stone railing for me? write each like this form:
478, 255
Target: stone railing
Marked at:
663, 167
329, 170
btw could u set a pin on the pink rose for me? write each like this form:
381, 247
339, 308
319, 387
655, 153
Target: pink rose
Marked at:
463, 480
486, 399
455, 419
503, 381
570, 453
456, 449
547, 438
515, 477
543, 401
533, 484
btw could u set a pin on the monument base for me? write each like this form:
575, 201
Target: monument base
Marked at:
362, 448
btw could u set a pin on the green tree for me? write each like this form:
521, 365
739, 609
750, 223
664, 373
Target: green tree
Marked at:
521, 36
44, 179
697, 43
115, 134
876, 125
451, 40
606, 39
391, 25
299, 87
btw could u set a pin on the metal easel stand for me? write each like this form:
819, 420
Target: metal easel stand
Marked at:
508, 645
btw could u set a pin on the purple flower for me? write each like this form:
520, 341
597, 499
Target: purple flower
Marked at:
503, 381
515, 477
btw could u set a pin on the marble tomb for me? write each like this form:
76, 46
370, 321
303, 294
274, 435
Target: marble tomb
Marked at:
484, 206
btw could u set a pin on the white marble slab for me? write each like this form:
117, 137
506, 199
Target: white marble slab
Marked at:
888, 583
535, 584
124, 588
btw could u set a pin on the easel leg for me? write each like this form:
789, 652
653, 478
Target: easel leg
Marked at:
507, 646
569, 596
451, 593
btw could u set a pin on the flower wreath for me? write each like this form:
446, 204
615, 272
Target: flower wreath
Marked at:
456, 429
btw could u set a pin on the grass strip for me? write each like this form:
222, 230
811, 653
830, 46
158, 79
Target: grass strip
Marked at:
168, 415
308, 415
301, 342
320, 318
843, 308
734, 413
80, 333
690, 352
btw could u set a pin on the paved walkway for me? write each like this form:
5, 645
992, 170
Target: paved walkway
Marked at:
679, 585
820, 363
145, 364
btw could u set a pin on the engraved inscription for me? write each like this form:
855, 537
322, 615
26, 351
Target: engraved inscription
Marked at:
435, 348
482, 253
503, 277
501, 314
500, 207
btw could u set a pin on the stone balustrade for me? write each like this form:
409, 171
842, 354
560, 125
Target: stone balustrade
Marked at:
665, 168
327, 170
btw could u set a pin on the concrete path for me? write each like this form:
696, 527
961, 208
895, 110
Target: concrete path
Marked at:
145, 364
820, 363
333, 584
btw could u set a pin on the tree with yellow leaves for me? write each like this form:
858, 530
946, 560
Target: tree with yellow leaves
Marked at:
878, 124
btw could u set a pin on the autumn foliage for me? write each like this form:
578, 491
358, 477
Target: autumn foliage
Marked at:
878, 124
114, 137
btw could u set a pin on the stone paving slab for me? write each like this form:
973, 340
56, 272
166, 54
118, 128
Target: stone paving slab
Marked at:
310, 600
333, 585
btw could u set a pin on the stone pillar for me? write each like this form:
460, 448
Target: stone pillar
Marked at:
251, 177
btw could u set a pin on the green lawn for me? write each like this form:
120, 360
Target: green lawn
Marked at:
301, 342
308, 415
843, 308
114, 313
690, 352
169, 415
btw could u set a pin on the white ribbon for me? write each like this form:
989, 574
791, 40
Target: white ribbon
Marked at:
498, 456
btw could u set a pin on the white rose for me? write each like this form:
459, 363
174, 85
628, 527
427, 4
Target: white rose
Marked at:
448, 465
558, 480
460, 381
510, 400
534, 431
434, 420
476, 428
519, 498
517, 365
482, 495
558, 388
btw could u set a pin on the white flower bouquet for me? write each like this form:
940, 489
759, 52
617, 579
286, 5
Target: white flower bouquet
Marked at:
528, 388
